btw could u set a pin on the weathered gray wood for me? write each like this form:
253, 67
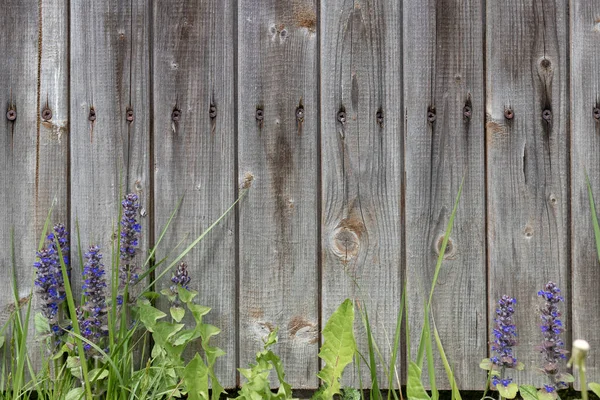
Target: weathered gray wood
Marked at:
443, 85
19, 169
278, 245
585, 156
109, 155
527, 156
194, 157
362, 158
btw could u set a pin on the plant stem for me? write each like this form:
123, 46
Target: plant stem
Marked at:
584, 393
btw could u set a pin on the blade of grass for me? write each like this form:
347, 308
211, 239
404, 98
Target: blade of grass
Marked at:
594, 215
449, 373
393, 370
435, 395
375, 393
74, 322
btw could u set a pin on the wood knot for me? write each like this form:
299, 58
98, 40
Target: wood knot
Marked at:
345, 243
301, 329
450, 252
528, 232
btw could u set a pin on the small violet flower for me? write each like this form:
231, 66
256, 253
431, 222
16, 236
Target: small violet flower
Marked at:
505, 334
92, 316
552, 346
49, 279
180, 278
130, 230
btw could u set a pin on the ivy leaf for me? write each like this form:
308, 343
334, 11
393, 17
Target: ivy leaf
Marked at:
338, 347
565, 377
486, 364
195, 377
186, 295
75, 394
41, 323
414, 387
149, 315
509, 392
74, 364
595, 387
177, 313
528, 392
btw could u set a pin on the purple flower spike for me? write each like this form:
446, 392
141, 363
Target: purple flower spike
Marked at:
505, 333
130, 230
552, 347
49, 278
180, 278
92, 316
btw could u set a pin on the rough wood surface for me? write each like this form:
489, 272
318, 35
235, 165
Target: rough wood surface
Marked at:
278, 244
194, 156
443, 88
362, 158
19, 46
585, 156
527, 162
109, 155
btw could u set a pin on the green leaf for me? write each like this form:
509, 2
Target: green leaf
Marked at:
520, 366
195, 378
177, 313
509, 392
74, 364
75, 394
98, 374
149, 315
595, 387
594, 215
338, 347
544, 395
565, 377
449, 372
186, 295
528, 392
41, 323
414, 386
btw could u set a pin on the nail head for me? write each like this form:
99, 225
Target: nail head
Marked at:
260, 114
431, 117
129, 116
46, 114
212, 111
509, 114
341, 117
300, 114
92, 116
11, 115
175, 115
547, 115
467, 111
596, 113
379, 117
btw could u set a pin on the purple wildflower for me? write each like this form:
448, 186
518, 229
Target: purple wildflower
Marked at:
552, 346
49, 278
130, 230
180, 278
92, 316
505, 333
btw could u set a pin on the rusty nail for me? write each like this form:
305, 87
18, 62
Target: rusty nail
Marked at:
129, 115
212, 111
596, 113
467, 111
259, 114
341, 117
508, 113
11, 115
92, 116
379, 117
175, 115
46, 113
431, 115
300, 114
547, 115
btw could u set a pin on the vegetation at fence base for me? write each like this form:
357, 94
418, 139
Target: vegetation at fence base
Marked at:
90, 342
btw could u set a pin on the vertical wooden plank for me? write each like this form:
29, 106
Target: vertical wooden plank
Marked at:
19, 169
585, 156
194, 152
527, 171
278, 70
443, 78
109, 76
362, 158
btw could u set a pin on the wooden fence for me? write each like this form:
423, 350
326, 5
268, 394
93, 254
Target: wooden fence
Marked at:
358, 119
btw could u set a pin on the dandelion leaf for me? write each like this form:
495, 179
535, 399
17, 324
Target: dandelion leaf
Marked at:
195, 377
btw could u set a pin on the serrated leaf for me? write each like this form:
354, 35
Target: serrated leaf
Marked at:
509, 392
75, 394
595, 387
528, 392
41, 323
195, 378
338, 347
177, 313
414, 386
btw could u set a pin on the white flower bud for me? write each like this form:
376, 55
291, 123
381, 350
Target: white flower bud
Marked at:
580, 351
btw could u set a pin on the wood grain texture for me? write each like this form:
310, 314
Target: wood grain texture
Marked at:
362, 158
109, 155
278, 286
194, 157
527, 170
443, 74
19, 74
585, 156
